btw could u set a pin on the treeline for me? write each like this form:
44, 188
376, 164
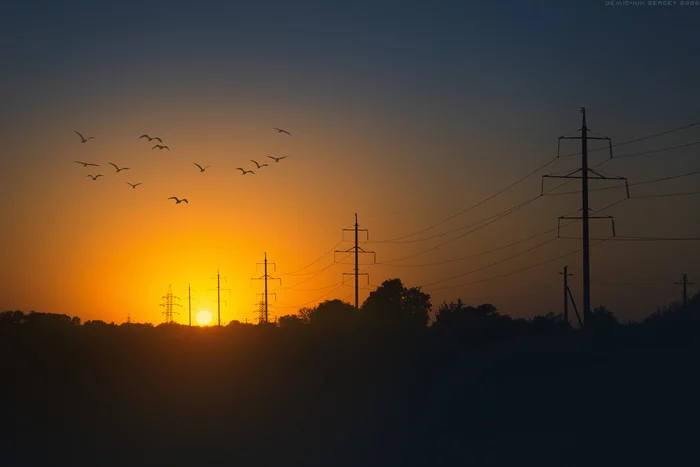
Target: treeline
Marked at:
393, 306
331, 385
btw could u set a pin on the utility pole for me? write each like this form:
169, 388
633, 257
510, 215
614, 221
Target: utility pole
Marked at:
265, 277
566, 293
585, 210
218, 296
684, 282
357, 251
169, 303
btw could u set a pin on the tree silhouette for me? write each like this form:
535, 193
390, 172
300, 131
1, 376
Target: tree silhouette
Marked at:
392, 303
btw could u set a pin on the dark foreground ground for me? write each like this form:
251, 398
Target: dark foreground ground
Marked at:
216, 397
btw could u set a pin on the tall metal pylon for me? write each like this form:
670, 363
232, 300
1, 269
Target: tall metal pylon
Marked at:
170, 301
357, 251
266, 277
684, 282
585, 172
218, 296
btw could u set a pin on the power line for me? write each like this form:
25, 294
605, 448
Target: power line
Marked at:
645, 182
539, 245
294, 273
654, 151
664, 195
520, 180
635, 140
510, 211
291, 287
657, 239
475, 205
516, 271
448, 232
473, 255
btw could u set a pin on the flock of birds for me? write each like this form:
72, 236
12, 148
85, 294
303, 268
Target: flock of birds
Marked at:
160, 147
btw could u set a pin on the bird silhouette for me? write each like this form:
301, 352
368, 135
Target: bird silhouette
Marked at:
280, 130
96, 176
84, 140
259, 165
132, 185
178, 201
277, 159
150, 139
200, 167
85, 164
245, 171
118, 169
160, 146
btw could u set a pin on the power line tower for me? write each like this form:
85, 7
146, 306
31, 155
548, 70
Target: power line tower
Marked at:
218, 296
586, 174
684, 282
170, 301
266, 277
189, 304
357, 249
261, 311
128, 318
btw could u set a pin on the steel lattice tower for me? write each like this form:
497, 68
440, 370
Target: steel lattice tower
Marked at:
170, 301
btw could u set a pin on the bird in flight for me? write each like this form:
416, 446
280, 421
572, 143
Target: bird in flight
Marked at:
118, 169
259, 165
280, 130
178, 201
277, 159
151, 139
96, 176
134, 185
201, 169
84, 140
245, 171
160, 146
85, 164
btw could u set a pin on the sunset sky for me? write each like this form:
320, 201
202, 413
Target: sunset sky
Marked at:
404, 112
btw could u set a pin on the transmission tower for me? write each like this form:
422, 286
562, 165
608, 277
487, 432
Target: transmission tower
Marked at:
128, 318
266, 277
169, 302
218, 296
586, 174
684, 282
261, 312
357, 249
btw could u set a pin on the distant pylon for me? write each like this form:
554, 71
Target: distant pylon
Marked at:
218, 296
684, 282
128, 318
265, 277
357, 251
261, 312
169, 302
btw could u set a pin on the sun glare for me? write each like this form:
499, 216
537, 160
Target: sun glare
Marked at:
204, 317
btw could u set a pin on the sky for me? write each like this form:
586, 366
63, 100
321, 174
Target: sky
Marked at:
405, 113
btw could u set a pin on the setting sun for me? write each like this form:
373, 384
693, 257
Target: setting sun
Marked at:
204, 317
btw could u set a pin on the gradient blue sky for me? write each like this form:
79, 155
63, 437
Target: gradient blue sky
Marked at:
420, 106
